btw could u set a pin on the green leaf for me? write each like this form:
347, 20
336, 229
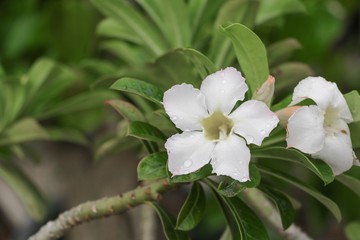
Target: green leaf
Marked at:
320, 168
172, 18
353, 100
145, 131
168, 223
125, 14
25, 130
352, 183
194, 176
79, 102
277, 8
282, 50
140, 88
288, 75
68, 135
202, 64
193, 209
328, 203
38, 74
127, 110
283, 204
243, 222
152, 166
112, 28
34, 201
352, 231
240, 11
251, 54
230, 187
354, 128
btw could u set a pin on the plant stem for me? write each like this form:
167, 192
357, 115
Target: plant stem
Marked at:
263, 207
101, 208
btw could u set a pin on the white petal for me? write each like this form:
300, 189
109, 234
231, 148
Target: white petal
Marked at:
231, 158
186, 106
254, 121
337, 153
326, 95
305, 129
188, 152
223, 89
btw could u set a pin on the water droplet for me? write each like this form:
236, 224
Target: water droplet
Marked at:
235, 173
244, 179
249, 139
262, 132
186, 172
267, 125
187, 163
223, 81
174, 118
204, 160
214, 162
222, 91
274, 117
235, 169
191, 135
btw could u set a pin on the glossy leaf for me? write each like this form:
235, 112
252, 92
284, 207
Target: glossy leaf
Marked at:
145, 131
327, 202
282, 50
194, 176
230, 188
193, 209
152, 166
25, 130
283, 204
352, 183
251, 54
168, 224
127, 110
140, 88
242, 221
32, 198
320, 168
353, 100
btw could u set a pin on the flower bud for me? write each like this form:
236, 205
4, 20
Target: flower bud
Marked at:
266, 91
285, 113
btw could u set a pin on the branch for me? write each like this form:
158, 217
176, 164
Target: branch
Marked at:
101, 208
267, 211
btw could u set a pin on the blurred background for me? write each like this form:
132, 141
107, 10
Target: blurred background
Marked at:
79, 159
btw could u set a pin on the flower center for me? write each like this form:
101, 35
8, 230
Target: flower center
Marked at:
329, 117
217, 126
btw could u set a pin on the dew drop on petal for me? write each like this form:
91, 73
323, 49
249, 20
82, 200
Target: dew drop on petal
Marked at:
244, 179
262, 132
249, 139
187, 163
223, 81
222, 91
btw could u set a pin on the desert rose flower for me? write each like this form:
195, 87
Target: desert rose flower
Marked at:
322, 129
212, 131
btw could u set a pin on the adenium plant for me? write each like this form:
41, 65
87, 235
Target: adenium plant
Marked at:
223, 137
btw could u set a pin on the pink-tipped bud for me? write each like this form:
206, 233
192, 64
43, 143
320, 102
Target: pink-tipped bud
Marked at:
266, 91
285, 113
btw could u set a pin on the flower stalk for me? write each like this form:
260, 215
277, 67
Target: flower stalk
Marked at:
101, 208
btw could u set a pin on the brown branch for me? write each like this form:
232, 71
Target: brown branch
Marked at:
101, 208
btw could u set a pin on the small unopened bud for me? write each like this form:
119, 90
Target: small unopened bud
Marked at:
285, 113
266, 91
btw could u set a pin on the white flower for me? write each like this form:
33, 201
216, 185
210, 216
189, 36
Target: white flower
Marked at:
211, 130
321, 130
